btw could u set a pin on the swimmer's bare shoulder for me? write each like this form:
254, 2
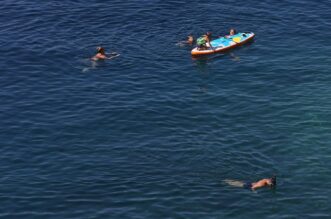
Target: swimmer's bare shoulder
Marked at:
268, 182
102, 55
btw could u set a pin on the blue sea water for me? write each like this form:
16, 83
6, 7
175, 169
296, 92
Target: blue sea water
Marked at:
154, 132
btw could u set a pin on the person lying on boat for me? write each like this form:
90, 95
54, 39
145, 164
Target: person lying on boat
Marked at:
204, 41
101, 55
231, 33
267, 182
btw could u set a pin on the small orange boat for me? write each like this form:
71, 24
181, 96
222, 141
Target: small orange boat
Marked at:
224, 43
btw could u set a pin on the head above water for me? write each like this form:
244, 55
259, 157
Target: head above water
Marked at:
100, 50
273, 181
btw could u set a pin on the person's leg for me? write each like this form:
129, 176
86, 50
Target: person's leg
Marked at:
235, 183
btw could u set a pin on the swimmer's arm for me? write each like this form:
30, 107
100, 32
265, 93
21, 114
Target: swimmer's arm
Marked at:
115, 55
111, 53
254, 187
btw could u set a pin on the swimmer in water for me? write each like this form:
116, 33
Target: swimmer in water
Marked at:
189, 41
267, 182
101, 55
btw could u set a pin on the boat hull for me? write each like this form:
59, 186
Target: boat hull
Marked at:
224, 44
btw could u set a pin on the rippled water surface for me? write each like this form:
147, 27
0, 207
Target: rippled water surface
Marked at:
153, 133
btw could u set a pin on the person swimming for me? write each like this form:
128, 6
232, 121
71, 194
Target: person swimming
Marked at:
188, 41
101, 55
267, 182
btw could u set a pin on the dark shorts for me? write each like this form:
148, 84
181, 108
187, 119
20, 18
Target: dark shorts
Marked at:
247, 185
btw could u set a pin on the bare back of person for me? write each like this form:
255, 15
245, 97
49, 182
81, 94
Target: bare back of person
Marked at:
267, 182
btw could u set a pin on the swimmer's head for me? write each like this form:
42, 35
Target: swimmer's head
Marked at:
100, 49
208, 34
273, 181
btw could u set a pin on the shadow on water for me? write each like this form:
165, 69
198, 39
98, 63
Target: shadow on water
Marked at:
203, 60
201, 64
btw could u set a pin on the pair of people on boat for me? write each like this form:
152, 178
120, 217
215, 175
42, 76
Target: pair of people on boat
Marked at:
204, 41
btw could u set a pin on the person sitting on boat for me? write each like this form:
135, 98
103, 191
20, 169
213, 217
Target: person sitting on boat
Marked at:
267, 182
231, 33
204, 41
101, 55
208, 34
